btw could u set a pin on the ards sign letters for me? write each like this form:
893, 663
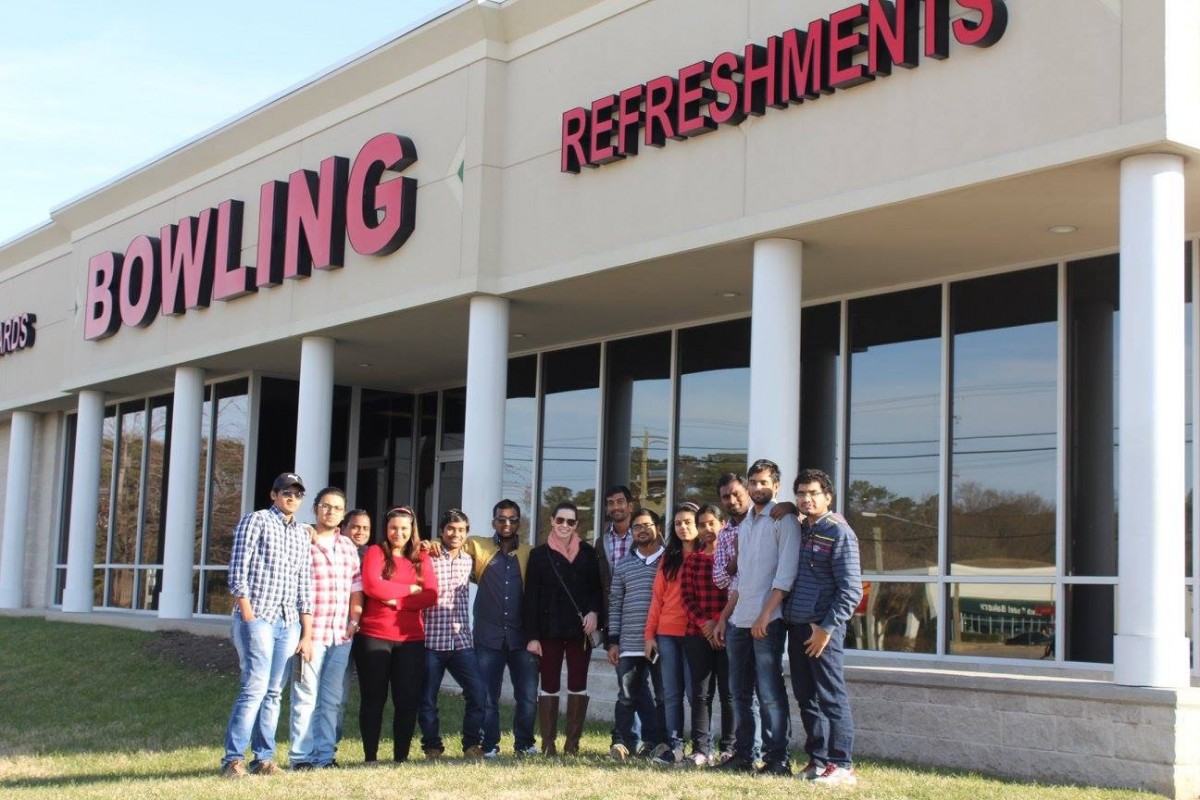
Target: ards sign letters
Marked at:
17, 333
790, 68
303, 222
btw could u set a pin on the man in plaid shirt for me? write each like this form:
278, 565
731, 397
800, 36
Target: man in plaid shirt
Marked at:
270, 578
449, 644
735, 500
319, 684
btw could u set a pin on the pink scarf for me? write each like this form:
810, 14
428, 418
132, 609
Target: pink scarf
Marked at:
568, 548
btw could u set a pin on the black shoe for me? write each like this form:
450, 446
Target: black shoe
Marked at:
781, 769
736, 764
302, 766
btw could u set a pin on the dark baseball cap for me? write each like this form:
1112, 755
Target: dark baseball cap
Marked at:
285, 480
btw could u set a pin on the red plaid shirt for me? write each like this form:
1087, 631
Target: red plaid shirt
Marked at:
702, 598
447, 622
335, 574
726, 550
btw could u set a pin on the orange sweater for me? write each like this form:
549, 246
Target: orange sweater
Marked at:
668, 616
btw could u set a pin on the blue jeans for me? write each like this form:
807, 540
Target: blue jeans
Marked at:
316, 703
635, 675
756, 668
464, 668
709, 671
673, 665
820, 687
523, 675
265, 652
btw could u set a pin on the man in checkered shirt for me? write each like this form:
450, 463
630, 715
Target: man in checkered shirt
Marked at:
449, 644
270, 578
319, 684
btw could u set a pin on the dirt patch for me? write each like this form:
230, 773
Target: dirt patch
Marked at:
206, 653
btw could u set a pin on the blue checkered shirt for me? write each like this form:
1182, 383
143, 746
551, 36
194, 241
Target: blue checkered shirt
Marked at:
271, 566
447, 623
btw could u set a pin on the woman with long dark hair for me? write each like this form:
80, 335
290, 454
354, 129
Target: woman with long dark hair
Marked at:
562, 606
389, 651
668, 625
708, 664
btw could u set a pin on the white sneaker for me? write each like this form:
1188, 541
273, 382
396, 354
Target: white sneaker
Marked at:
699, 759
810, 772
836, 776
493, 753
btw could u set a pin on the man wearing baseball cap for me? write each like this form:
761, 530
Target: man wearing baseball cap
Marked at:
270, 578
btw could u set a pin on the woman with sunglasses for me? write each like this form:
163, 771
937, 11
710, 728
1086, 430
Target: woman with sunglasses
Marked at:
562, 607
389, 651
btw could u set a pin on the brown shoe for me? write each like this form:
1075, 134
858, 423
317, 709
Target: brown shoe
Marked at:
474, 751
234, 769
433, 753
547, 711
577, 705
265, 768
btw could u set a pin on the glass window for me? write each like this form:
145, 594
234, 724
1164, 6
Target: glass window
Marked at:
339, 437
639, 417
154, 508
820, 360
1093, 319
426, 459
202, 490
1001, 620
570, 417
228, 467
385, 451
1089, 620
1004, 426
108, 451
895, 617
714, 399
1189, 354
454, 418
278, 405
895, 411
520, 423
128, 484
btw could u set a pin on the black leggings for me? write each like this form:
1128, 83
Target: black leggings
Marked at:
380, 664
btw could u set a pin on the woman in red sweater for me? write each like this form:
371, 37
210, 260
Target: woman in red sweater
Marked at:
398, 582
666, 626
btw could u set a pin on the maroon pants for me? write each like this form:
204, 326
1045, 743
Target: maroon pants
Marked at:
554, 651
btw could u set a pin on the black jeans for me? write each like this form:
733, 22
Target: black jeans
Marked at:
709, 669
382, 664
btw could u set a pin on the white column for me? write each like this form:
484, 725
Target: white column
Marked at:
1150, 648
176, 600
775, 357
314, 419
85, 502
16, 508
487, 388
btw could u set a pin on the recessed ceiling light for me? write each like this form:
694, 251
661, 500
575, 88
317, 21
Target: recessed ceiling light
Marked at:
1061, 229
730, 294
365, 364
518, 336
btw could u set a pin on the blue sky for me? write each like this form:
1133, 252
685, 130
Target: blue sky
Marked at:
89, 90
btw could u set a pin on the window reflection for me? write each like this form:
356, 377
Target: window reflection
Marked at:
202, 488
228, 464
128, 484
154, 508
1001, 620
895, 391
571, 412
713, 418
385, 451
520, 423
1004, 425
820, 357
895, 617
108, 450
638, 414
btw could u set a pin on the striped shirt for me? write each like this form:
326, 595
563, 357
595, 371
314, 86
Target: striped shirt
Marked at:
447, 622
271, 566
828, 585
629, 601
335, 572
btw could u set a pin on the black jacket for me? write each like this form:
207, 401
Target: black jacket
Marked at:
547, 608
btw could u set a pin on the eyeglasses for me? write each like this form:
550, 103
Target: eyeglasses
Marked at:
811, 495
570, 523
291, 494
642, 527
325, 507
506, 520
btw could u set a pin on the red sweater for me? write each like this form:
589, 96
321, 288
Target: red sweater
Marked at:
402, 623
668, 616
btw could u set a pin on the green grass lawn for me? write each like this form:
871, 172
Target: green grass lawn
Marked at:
86, 711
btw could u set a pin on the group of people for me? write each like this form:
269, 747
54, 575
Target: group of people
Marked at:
686, 618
